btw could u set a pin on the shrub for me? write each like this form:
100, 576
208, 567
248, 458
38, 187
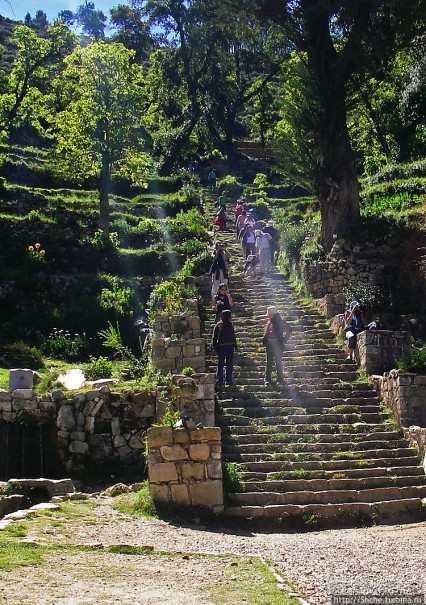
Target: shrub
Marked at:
170, 418
229, 184
20, 355
414, 361
116, 296
169, 297
61, 344
231, 478
99, 367
188, 371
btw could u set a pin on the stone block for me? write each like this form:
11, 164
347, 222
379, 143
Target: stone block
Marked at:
137, 442
207, 434
119, 441
193, 471
78, 447
27, 394
173, 452
20, 379
115, 426
181, 436
179, 493
57, 395
124, 451
22, 404
65, 421
148, 411
89, 424
208, 494
93, 395
159, 435
78, 436
160, 493
199, 451
5, 406
80, 398
214, 469
5, 395
166, 365
162, 472
142, 398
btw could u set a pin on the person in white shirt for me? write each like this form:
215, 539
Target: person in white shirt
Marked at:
263, 251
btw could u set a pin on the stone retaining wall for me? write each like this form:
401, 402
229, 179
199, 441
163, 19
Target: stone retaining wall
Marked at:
347, 265
185, 467
405, 394
416, 437
187, 325
90, 427
173, 355
194, 397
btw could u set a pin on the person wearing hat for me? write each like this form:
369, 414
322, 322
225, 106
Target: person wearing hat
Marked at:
276, 334
224, 343
354, 324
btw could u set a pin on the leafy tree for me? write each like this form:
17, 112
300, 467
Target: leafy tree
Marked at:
337, 38
92, 21
99, 133
30, 70
132, 30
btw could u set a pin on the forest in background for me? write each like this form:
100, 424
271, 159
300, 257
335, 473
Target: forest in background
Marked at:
97, 133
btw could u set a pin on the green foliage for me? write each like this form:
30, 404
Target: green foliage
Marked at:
170, 298
230, 184
102, 241
261, 180
170, 418
231, 478
61, 344
139, 503
116, 296
370, 296
99, 367
20, 355
188, 371
414, 361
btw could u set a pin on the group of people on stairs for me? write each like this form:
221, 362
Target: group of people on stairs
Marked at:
224, 342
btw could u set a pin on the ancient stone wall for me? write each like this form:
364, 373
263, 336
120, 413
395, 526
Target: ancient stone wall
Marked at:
89, 427
345, 266
379, 350
405, 394
187, 325
193, 396
185, 467
170, 355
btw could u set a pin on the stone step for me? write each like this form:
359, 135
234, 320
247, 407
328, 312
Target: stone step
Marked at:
339, 496
335, 514
345, 448
301, 451
290, 431
347, 473
272, 466
317, 482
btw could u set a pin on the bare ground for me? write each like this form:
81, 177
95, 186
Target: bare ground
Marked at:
382, 560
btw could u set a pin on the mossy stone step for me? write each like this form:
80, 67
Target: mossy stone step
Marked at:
347, 473
387, 463
329, 496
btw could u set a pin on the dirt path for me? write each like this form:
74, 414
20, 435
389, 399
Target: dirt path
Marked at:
381, 560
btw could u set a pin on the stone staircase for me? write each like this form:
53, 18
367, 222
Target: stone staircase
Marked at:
321, 448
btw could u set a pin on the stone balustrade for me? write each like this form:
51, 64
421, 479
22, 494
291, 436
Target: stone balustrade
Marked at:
379, 350
185, 467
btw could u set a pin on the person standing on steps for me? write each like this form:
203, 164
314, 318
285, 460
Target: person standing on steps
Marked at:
276, 334
212, 179
275, 239
218, 269
263, 251
224, 344
354, 324
248, 241
223, 302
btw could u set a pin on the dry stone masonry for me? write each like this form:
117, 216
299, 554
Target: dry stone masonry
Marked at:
185, 467
85, 428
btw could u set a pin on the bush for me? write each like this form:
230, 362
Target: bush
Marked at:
20, 355
229, 184
99, 367
169, 297
414, 361
61, 344
116, 296
188, 371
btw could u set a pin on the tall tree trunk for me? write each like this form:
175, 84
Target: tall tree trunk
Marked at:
338, 189
104, 190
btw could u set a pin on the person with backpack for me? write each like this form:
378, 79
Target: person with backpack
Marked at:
354, 325
276, 334
224, 344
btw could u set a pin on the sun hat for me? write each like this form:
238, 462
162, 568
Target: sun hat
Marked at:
272, 311
354, 304
257, 232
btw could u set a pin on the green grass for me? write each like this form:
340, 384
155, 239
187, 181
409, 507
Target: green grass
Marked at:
137, 503
253, 578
